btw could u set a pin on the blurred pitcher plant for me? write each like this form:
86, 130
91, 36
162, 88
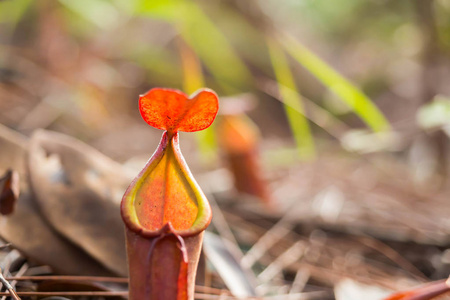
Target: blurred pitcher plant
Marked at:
164, 210
240, 139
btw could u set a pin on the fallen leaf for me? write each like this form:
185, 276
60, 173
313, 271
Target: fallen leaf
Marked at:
78, 191
13, 149
28, 232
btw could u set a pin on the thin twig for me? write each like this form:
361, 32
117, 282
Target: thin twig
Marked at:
392, 255
292, 254
100, 294
71, 278
300, 281
50, 294
21, 271
8, 287
318, 115
299, 296
198, 288
272, 236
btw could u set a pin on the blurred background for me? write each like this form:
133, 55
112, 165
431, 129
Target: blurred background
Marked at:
335, 114
321, 76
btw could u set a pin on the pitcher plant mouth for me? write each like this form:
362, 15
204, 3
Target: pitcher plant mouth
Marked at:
165, 197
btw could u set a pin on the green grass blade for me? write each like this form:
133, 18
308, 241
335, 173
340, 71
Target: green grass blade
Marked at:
168, 10
207, 40
212, 47
193, 79
207, 145
12, 11
294, 106
101, 13
348, 92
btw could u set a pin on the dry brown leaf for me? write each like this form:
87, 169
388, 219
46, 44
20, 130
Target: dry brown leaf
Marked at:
78, 190
12, 150
26, 229
28, 232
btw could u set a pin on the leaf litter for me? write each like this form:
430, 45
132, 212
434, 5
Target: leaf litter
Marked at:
302, 250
